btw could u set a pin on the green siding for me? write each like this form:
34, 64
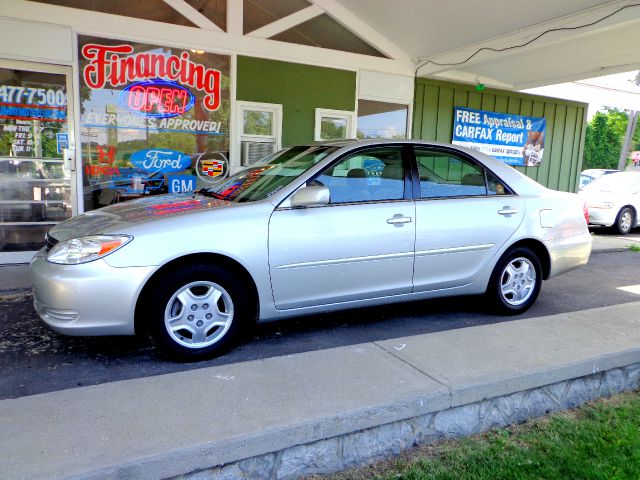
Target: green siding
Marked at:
300, 89
564, 138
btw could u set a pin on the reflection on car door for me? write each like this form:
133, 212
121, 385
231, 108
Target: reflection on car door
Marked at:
360, 246
464, 215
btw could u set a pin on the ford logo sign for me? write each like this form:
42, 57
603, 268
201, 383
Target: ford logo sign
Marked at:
160, 160
157, 99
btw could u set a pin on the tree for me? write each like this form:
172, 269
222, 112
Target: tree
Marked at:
603, 139
332, 129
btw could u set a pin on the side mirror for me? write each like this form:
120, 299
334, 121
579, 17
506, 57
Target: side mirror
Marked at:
310, 196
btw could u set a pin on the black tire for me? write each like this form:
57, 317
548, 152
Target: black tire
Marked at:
515, 282
211, 313
624, 221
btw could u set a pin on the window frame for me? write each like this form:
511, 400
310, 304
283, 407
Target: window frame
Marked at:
274, 108
239, 137
415, 174
406, 152
349, 116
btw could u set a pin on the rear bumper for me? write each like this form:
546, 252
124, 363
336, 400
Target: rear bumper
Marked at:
87, 299
569, 253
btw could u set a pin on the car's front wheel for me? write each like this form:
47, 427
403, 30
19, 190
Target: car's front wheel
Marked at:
624, 220
198, 311
515, 282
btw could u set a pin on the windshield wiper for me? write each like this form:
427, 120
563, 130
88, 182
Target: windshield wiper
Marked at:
207, 193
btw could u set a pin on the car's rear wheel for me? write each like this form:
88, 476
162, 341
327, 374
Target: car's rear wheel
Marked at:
624, 220
198, 311
515, 282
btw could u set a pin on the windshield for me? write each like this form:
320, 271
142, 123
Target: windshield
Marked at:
585, 179
269, 175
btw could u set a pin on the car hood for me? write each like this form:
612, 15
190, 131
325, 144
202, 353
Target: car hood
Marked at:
593, 194
592, 188
115, 218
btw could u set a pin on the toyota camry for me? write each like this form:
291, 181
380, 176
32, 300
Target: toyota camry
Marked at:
312, 228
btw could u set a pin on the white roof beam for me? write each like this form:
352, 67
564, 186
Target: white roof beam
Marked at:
364, 31
629, 17
287, 22
235, 17
472, 78
193, 15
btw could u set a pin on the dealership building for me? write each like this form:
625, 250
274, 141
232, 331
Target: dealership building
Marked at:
105, 101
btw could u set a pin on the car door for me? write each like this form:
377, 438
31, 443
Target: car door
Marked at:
464, 214
357, 247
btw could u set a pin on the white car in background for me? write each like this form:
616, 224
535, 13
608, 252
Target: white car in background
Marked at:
614, 200
588, 176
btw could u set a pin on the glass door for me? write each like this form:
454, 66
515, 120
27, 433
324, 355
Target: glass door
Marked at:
36, 135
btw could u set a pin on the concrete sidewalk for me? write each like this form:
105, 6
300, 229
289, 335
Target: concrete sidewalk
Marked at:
325, 410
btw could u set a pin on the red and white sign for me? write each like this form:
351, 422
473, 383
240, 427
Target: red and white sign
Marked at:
118, 65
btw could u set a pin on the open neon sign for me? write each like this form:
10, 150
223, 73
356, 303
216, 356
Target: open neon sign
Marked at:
157, 98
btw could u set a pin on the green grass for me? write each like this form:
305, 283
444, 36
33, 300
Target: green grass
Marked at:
634, 248
598, 441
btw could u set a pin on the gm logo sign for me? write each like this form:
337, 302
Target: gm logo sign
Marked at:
182, 183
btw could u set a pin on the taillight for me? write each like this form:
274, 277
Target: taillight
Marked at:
585, 212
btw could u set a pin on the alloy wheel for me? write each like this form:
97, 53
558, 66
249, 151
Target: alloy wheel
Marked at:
518, 281
199, 314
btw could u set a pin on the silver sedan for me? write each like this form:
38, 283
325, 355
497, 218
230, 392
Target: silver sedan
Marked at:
310, 229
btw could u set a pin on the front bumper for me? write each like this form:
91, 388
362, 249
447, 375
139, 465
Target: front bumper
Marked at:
602, 216
87, 299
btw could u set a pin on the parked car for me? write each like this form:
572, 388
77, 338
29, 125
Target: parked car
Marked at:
614, 201
588, 176
312, 229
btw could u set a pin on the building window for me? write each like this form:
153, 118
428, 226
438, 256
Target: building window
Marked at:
382, 119
149, 115
334, 124
260, 130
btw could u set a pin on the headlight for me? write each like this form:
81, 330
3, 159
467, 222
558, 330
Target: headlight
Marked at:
86, 249
606, 205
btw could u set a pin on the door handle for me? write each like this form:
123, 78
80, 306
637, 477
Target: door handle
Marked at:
69, 159
507, 211
399, 219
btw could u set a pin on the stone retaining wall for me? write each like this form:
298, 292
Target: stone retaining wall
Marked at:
363, 447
